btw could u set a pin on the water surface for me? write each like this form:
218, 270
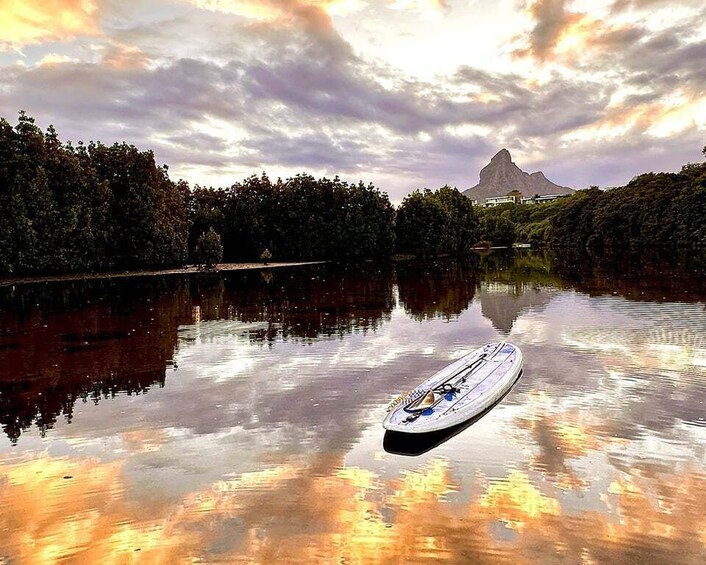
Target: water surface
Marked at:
237, 419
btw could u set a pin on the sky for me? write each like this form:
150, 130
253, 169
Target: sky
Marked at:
405, 94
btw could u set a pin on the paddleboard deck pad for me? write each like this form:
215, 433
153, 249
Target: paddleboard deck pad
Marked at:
458, 392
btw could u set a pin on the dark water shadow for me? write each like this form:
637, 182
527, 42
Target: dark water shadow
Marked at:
412, 445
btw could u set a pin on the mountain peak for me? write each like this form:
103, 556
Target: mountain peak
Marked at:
503, 156
501, 176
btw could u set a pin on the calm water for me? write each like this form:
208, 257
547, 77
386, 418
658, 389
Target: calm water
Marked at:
237, 419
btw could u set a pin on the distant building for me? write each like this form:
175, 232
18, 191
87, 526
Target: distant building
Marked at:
497, 200
540, 199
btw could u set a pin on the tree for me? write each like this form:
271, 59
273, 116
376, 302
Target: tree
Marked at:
498, 230
209, 249
265, 256
66, 208
433, 222
420, 224
462, 226
516, 195
205, 209
307, 218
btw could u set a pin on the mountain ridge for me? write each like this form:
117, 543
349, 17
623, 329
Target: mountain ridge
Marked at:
502, 175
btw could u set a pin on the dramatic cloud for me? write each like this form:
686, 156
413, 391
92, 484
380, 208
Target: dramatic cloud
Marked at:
553, 21
24, 22
224, 88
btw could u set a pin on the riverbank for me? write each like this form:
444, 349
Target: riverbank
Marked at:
189, 269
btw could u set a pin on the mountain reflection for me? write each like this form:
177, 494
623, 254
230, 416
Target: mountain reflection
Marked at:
502, 304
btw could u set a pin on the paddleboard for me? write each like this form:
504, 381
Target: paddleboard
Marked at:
458, 392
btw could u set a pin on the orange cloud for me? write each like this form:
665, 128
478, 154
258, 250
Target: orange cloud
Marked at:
24, 22
315, 15
124, 57
570, 38
660, 118
269, 9
427, 7
552, 23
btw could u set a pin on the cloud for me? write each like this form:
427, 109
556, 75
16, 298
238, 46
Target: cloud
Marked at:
623, 5
55, 59
313, 13
282, 90
425, 7
305, 9
122, 57
552, 22
25, 22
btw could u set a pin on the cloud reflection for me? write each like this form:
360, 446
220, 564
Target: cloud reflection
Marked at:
319, 511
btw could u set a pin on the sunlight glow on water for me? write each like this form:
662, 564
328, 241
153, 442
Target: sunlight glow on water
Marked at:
238, 419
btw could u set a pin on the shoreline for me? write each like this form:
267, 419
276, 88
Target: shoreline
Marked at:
188, 270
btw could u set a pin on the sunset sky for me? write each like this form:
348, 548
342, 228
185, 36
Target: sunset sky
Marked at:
401, 93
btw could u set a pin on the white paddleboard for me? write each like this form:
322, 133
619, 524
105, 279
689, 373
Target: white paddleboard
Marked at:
458, 392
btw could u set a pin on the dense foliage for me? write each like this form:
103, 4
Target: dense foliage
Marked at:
65, 208
529, 222
433, 222
300, 218
654, 209
94, 207
497, 230
307, 218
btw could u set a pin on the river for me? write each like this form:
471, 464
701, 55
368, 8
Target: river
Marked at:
237, 418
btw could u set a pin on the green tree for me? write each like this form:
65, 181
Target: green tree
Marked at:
421, 224
498, 230
462, 225
434, 222
66, 208
209, 249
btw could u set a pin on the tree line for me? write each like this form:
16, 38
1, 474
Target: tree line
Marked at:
89, 207
300, 218
83, 208
654, 209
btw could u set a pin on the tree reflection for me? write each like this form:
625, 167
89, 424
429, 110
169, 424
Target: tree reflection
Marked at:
443, 288
61, 343
649, 275
303, 304
90, 340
